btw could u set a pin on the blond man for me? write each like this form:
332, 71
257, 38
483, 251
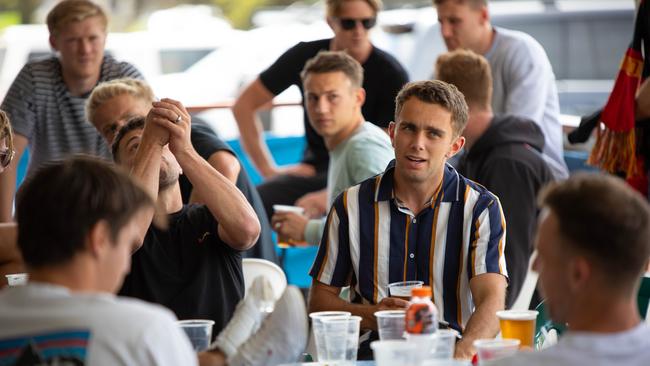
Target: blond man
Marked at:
46, 100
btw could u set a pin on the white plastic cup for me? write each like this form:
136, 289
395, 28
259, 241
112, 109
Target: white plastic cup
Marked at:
394, 352
436, 346
199, 331
390, 324
494, 349
403, 289
342, 338
319, 330
17, 279
446, 363
287, 208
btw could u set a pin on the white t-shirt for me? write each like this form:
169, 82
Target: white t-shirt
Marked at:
47, 324
629, 348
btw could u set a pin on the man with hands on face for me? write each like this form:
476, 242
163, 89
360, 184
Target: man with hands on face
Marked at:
193, 266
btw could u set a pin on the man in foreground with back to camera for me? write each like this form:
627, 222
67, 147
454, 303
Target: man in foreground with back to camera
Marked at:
304, 184
115, 102
192, 266
419, 220
358, 149
77, 227
46, 100
593, 244
503, 153
523, 80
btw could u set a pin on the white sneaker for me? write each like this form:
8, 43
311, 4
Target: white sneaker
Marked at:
247, 318
282, 337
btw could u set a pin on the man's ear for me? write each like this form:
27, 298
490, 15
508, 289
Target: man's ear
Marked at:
456, 146
579, 272
98, 239
391, 132
52, 41
361, 97
485, 14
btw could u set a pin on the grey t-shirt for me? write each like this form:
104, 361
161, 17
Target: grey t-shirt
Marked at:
524, 85
365, 153
42, 109
629, 348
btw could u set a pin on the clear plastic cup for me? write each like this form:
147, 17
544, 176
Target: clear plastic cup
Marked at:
436, 346
284, 242
390, 324
199, 331
341, 338
446, 363
17, 279
403, 289
494, 349
394, 352
319, 331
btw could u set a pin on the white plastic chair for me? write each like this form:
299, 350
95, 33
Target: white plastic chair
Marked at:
253, 267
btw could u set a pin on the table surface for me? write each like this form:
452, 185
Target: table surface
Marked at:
356, 363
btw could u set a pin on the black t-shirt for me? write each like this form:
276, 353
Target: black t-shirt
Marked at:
207, 142
188, 269
383, 77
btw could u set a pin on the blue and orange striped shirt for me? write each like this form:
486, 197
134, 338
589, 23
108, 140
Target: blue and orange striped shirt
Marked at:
371, 241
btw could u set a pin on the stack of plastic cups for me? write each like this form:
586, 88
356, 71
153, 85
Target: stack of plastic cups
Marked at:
341, 339
319, 330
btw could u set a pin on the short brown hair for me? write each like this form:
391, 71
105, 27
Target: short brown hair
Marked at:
602, 218
333, 7
470, 73
436, 92
5, 131
109, 89
333, 61
68, 11
473, 3
135, 123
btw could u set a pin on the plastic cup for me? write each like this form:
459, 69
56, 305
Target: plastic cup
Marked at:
403, 289
319, 330
390, 324
341, 338
199, 331
287, 208
444, 344
518, 324
17, 279
494, 349
394, 352
446, 363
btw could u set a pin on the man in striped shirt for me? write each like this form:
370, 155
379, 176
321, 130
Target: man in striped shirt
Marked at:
46, 100
419, 220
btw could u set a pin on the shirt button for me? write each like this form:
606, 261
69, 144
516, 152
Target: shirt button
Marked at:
412, 255
415, 221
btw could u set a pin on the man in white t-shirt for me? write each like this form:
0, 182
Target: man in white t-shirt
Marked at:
523, 79
593, 244
77, 227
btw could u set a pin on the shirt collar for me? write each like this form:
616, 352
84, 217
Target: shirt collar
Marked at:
450, 185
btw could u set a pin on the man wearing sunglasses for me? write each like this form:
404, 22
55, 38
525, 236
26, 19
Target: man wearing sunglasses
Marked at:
304, 184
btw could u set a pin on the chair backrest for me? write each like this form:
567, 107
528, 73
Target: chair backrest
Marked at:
253, 267
644, 296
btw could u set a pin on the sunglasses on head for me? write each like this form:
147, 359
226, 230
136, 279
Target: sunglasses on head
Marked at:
5, 157
351, 23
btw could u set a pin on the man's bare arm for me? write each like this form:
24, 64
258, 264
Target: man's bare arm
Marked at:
226, 164
489, 294
252, 99
8, 179
238, 223
323, 297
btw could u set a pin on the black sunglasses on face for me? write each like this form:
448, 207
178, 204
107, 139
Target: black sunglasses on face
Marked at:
351, 23
5, 157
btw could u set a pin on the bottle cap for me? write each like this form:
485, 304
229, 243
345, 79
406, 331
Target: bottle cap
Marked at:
424, 291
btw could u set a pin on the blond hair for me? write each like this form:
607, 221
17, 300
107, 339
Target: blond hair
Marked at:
68, 11
470, 73
110, 89
5, 131
333, 7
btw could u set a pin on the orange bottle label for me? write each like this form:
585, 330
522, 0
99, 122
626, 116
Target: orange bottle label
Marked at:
419, 319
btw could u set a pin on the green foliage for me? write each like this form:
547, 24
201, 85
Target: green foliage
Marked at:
239, 11
8, 18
